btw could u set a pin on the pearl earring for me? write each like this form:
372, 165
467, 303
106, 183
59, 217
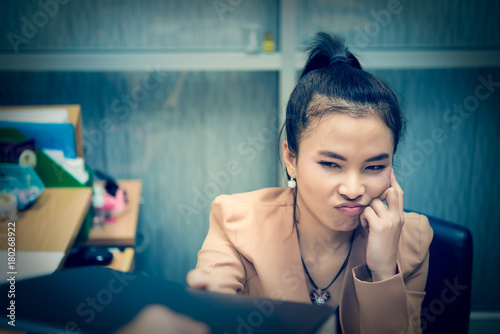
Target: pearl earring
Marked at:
292, 183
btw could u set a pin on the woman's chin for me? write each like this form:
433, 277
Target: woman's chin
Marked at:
346, 224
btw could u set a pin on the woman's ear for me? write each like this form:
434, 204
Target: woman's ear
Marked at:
289, 159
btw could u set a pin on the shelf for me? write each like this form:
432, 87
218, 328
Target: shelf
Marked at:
115, 61
422, 59
112, 61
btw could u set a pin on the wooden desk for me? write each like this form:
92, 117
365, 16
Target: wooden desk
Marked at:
52, 223
123, 260
54, 220
9, 331
123, 231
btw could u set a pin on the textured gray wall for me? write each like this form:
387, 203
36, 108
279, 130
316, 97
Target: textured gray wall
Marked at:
404, 23
138, 25
220, 136
194, 124
454, 175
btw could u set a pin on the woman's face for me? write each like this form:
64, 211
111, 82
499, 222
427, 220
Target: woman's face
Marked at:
342, 165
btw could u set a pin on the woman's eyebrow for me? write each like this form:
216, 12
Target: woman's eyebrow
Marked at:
334, 155
379, 157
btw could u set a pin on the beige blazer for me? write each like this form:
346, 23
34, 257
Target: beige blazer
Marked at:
252, 248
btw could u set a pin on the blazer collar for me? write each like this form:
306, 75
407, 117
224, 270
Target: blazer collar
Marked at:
277, 259
348, 308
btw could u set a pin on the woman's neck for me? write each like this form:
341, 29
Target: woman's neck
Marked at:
318, 240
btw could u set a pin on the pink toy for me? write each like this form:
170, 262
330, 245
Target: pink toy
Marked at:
114, 205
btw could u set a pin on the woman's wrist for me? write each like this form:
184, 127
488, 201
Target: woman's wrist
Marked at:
383, 275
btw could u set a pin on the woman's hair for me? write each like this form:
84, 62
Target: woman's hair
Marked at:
334, 82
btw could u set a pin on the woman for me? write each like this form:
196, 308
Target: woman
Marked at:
328, 238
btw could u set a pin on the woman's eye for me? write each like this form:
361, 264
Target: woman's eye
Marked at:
376, 167
328, 164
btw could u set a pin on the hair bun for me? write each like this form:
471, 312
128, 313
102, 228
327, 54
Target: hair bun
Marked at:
339, 59
326, 50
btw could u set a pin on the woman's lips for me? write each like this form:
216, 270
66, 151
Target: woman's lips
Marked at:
350, 211
350, 208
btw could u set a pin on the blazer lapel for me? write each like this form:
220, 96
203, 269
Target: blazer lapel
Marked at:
286, 278
348, 306
277, 258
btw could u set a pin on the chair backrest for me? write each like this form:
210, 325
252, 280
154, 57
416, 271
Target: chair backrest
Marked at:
446, 306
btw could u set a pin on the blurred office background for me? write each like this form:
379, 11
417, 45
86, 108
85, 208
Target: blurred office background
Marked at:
170, 96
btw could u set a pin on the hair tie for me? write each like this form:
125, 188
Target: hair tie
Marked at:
338, 59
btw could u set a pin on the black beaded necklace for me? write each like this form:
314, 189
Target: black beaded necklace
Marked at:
321, 296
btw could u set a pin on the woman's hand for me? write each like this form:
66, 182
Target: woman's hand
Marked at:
384, 224
156, 319
197, 280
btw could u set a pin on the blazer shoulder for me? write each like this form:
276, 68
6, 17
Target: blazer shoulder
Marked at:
416, 237
240, 215
240, 207
265, 196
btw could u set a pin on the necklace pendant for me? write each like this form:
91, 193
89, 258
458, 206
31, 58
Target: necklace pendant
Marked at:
319, 297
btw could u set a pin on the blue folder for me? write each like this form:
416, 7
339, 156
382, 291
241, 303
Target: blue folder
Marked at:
54, 136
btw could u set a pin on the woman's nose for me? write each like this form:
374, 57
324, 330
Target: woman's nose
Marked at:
351, 187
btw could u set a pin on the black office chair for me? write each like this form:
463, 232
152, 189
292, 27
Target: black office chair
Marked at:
446, 306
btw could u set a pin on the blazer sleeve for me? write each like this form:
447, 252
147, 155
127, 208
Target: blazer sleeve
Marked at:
393, 305
218, 259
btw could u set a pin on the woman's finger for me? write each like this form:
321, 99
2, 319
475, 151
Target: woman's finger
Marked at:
370, 216
197, 280
383, 196
364, 221
393, 205
378, 207
399, 190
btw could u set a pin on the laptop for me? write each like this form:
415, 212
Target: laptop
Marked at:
91, 300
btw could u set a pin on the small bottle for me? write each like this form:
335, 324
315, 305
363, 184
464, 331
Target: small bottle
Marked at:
252, 38
8, 208
98, 204
268, 44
